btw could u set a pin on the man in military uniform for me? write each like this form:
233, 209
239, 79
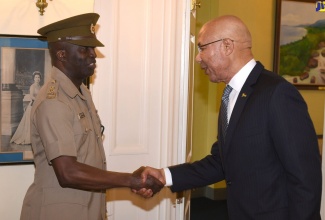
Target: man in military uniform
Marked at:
70, 176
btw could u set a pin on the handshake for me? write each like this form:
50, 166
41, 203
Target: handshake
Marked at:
147, 181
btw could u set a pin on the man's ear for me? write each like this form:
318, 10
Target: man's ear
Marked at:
229, 46
60, 55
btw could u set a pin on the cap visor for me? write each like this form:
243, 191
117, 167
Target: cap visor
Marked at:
91, 42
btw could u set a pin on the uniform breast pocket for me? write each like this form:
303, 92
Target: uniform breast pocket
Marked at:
81, 129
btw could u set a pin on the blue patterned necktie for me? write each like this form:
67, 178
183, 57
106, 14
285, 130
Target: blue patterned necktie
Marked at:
224, 109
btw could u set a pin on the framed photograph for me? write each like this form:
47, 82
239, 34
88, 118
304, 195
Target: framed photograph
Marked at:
24, 67
299, 53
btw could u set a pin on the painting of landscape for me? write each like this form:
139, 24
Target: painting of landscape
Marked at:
300, 57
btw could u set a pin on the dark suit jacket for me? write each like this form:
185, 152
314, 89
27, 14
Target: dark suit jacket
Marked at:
270, 159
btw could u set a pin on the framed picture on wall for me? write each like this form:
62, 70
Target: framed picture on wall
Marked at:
299, 54
24, 67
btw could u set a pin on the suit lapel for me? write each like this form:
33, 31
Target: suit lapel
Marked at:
243, 96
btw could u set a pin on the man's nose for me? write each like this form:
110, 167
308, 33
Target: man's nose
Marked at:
92, 52
198, 58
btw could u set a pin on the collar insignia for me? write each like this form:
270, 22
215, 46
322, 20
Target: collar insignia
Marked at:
92, 28
81, 115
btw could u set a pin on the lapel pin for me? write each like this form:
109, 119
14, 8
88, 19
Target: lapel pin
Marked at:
243, 95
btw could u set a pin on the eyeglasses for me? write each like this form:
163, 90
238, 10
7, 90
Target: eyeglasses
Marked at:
200, 47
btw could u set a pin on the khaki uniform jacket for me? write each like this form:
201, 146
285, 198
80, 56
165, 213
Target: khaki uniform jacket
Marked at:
64, 122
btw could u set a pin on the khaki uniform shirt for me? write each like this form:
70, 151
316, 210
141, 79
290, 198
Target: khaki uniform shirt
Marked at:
64, 122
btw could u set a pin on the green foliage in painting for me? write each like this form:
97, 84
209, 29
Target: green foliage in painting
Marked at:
294, 57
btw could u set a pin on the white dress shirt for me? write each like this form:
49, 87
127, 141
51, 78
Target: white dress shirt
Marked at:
237, 83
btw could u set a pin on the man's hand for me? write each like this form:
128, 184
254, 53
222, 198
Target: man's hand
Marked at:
146, 187
150, 176
157, 173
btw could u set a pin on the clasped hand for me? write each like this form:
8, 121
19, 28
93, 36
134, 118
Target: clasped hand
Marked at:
145, 182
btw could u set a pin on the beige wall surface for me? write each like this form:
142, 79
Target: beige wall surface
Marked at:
205, 94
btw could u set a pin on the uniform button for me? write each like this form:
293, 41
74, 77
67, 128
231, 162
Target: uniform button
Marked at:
228, 183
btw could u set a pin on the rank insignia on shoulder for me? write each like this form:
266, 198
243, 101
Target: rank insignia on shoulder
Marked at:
51, 93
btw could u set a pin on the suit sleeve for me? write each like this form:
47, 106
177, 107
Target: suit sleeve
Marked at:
296, 144
200, 173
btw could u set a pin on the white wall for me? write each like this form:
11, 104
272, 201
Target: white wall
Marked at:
14, 181
21, 17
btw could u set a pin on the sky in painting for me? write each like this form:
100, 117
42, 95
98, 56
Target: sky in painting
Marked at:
297, 13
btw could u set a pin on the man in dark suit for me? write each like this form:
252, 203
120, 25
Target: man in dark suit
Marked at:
268, 153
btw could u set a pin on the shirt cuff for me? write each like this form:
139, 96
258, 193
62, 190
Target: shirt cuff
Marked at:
168, 177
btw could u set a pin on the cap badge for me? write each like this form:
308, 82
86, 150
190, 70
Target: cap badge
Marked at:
92, 28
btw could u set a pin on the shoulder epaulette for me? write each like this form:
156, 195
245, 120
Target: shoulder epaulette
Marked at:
52, 90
